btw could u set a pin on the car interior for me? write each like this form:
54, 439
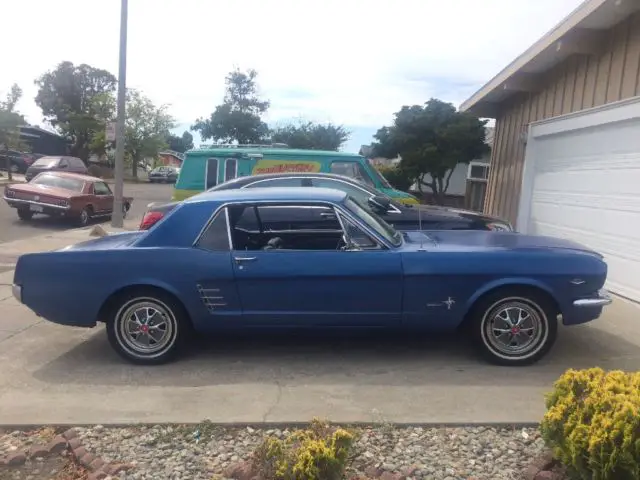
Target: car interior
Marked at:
292, 227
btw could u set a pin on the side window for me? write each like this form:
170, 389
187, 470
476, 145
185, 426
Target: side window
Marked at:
76, 162
216, 236
276, 182
352, 170
360, 195
63, 163
101, 188
298, 218
358, 238
248, 220
211, 174
230, 169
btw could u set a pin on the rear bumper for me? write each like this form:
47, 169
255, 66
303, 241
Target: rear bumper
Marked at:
16, 290
584, 310
47, 208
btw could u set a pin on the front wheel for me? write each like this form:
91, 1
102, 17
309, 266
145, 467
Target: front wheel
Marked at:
24, 214
147, 327
514, 326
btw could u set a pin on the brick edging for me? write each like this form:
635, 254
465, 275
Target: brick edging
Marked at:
68, 443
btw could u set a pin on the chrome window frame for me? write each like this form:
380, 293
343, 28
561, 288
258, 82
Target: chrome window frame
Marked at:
339, 208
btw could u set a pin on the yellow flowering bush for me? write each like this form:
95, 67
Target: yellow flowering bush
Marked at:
319, 452
593, 424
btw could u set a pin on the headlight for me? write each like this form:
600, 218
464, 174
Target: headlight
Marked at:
499, 227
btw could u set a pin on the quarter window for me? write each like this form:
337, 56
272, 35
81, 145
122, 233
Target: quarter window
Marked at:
216, 236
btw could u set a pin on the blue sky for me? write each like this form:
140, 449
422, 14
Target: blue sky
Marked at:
352, 62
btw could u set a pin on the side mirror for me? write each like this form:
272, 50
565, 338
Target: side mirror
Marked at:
380, 204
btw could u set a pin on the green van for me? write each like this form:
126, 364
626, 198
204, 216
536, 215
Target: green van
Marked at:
208, 166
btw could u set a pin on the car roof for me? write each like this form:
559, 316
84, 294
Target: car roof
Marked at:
213, 152
304, 194
267, 176
78, 176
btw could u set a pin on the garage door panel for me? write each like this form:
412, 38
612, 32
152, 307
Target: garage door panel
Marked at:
585, 186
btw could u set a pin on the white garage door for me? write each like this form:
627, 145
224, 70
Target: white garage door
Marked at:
581, 181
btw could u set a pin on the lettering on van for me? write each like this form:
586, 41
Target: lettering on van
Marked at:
285, 166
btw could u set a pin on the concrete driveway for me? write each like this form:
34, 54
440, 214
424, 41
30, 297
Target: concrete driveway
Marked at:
52, 374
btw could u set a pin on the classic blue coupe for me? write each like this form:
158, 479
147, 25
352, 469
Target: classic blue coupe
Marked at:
222, 261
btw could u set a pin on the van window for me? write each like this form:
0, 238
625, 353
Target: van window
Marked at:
352, 170
230, 169
211, 174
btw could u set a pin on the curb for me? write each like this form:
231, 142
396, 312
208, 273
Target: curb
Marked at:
66, 444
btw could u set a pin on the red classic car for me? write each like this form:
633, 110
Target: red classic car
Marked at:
65, 195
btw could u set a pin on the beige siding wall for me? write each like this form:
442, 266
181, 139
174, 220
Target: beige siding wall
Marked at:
579, 82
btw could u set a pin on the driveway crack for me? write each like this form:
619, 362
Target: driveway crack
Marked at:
275, 404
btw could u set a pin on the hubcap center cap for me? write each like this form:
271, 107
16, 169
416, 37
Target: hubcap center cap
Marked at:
515, 330
144, 328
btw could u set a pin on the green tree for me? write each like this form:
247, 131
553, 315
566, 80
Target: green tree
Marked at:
239, 117
180, 144
310, 135
397, 177
10, 122
76, 100
431, 140
146, 128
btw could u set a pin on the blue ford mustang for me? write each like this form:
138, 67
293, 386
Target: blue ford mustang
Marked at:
224, 260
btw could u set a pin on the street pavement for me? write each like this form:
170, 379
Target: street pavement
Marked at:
55, 374
12, 228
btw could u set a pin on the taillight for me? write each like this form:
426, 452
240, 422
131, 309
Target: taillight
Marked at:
150, 219
9, 193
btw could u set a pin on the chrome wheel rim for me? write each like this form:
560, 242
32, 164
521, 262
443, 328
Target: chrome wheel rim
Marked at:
515, 328
146, 328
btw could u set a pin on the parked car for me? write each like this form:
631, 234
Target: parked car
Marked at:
20, 161
65, 195
164, 174
398, 215
224, 260
56, 164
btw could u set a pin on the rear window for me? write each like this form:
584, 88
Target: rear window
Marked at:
46, 162
72, 184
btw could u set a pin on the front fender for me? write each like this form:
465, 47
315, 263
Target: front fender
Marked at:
505, 282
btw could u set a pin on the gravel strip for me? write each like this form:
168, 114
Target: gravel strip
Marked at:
203, 451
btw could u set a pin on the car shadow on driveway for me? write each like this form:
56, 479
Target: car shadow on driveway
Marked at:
316, 359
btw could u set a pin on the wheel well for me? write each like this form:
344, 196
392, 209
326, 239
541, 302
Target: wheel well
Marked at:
113, 298
520, 288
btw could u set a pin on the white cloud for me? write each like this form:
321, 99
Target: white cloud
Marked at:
349, 61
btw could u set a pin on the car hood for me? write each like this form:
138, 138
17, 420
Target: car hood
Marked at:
43, 190
458, 240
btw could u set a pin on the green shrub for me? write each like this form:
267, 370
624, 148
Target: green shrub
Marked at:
320, 452
593, 424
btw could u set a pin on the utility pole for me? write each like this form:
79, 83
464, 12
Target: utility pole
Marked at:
117, 216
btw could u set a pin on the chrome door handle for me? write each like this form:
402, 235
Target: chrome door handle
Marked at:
245, 259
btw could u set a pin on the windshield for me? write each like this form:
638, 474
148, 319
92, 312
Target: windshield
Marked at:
376, 173
67, 183
46, 162
374, 222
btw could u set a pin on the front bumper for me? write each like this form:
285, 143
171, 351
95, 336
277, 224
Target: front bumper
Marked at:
584, 310
16, 290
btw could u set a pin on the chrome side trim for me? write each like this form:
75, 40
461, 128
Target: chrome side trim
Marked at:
603, 299
21, 201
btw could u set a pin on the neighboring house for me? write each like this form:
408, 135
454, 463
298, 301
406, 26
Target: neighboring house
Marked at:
170, 158
384, 162
43, 141
566, 155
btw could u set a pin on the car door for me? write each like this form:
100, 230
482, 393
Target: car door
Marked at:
312, 285
103, 198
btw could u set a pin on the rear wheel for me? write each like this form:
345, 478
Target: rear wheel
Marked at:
514, 326
85, 216
25, 214
147, 326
